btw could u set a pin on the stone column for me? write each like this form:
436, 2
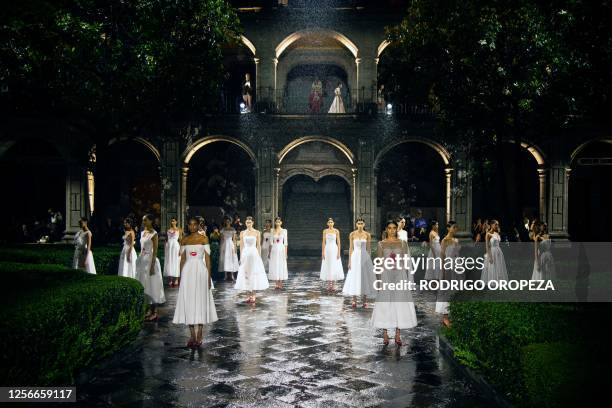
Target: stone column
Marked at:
170, 184
558, 200
266, 77
366, 176
368, 78
76, 198
461, 202
264, 190
448, 173
182, 210
542, 193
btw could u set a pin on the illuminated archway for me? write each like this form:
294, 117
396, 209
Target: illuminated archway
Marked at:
200, 143
341, 38
140, 140
248, 44
444, 154
307, 139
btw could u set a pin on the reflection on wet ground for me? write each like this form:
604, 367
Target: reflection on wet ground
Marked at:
297, 347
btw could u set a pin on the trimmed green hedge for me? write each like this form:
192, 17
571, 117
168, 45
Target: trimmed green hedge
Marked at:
525, 350
59, 320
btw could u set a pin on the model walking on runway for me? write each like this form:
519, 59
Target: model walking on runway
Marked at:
251, 273
127, 259
360, 276
278, 254
228, 256
148, 268
172, 268
331, 264
195, 304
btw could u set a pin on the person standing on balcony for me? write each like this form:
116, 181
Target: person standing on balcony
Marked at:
247, 92
337, 105
315, 100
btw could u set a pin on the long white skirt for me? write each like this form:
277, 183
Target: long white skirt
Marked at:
331, 266
394, 309
153, 284
90, 266
277, 263
127, 269
251, 273
194, 303
496, 270
172, 261
360, 277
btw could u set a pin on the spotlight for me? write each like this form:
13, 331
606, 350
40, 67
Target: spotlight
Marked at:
243, 107
389, 109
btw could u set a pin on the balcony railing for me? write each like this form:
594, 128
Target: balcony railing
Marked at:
355, 101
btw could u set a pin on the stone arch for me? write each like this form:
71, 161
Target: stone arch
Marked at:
341, 38
381, 47
534, 150
198, 144
140, 140
248, 44
444, 154
581, 146
307, 139
315, 175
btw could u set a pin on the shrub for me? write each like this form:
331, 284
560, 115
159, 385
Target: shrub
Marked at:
64, 321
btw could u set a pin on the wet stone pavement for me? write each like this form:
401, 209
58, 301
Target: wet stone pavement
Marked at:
300, 347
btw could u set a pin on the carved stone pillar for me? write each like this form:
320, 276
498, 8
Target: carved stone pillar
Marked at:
170, 184
76, 198
183, 195
542, 193
558, 201
461, 202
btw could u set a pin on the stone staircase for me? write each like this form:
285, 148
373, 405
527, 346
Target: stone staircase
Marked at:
306, 217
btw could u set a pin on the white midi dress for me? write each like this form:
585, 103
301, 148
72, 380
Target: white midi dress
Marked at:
228, 259
448, 273
81, 252
251, 273
127, 268
194, 302
153, 284
331, 265
433, 270
360, 276
544, 267
494, 270
265, 248
172, 260
277, 265
394, 309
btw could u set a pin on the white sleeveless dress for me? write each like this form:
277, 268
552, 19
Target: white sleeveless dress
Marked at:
337, 105
228, 260
394, 309
442, 298
153, 284
434, 263
194, 302
172, 261
81, 252
266, 243
278, 260
360, 277
251, 273
127, 268
495, 270
545, 268
331, 266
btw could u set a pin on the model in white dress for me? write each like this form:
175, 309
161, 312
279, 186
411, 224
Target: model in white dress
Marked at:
394, 309
172, 260
331, 262
494, 265
544, 265
337, 105
434, 262
278, 255
228, 256
148, 270
360, 275
266, 242
449, 251
251, 273
127, 259
83, 257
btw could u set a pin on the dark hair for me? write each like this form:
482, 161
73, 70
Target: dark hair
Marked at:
432, 223
270, 221
128, 221
359, 219
193, 218
330, 219
276, 219
149, 217
391, 221
450, 224
249, 218
84, 219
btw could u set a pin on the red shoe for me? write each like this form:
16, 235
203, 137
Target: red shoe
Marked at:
190, 343
353, 304
398, 342
365, 305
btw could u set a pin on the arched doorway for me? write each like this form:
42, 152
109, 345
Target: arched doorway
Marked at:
220, 181
590, 199
127, 183
411, 178
308, 203
300, 80
33, 175
507, 185
238, 60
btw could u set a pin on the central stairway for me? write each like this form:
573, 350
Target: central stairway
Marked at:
306, 217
